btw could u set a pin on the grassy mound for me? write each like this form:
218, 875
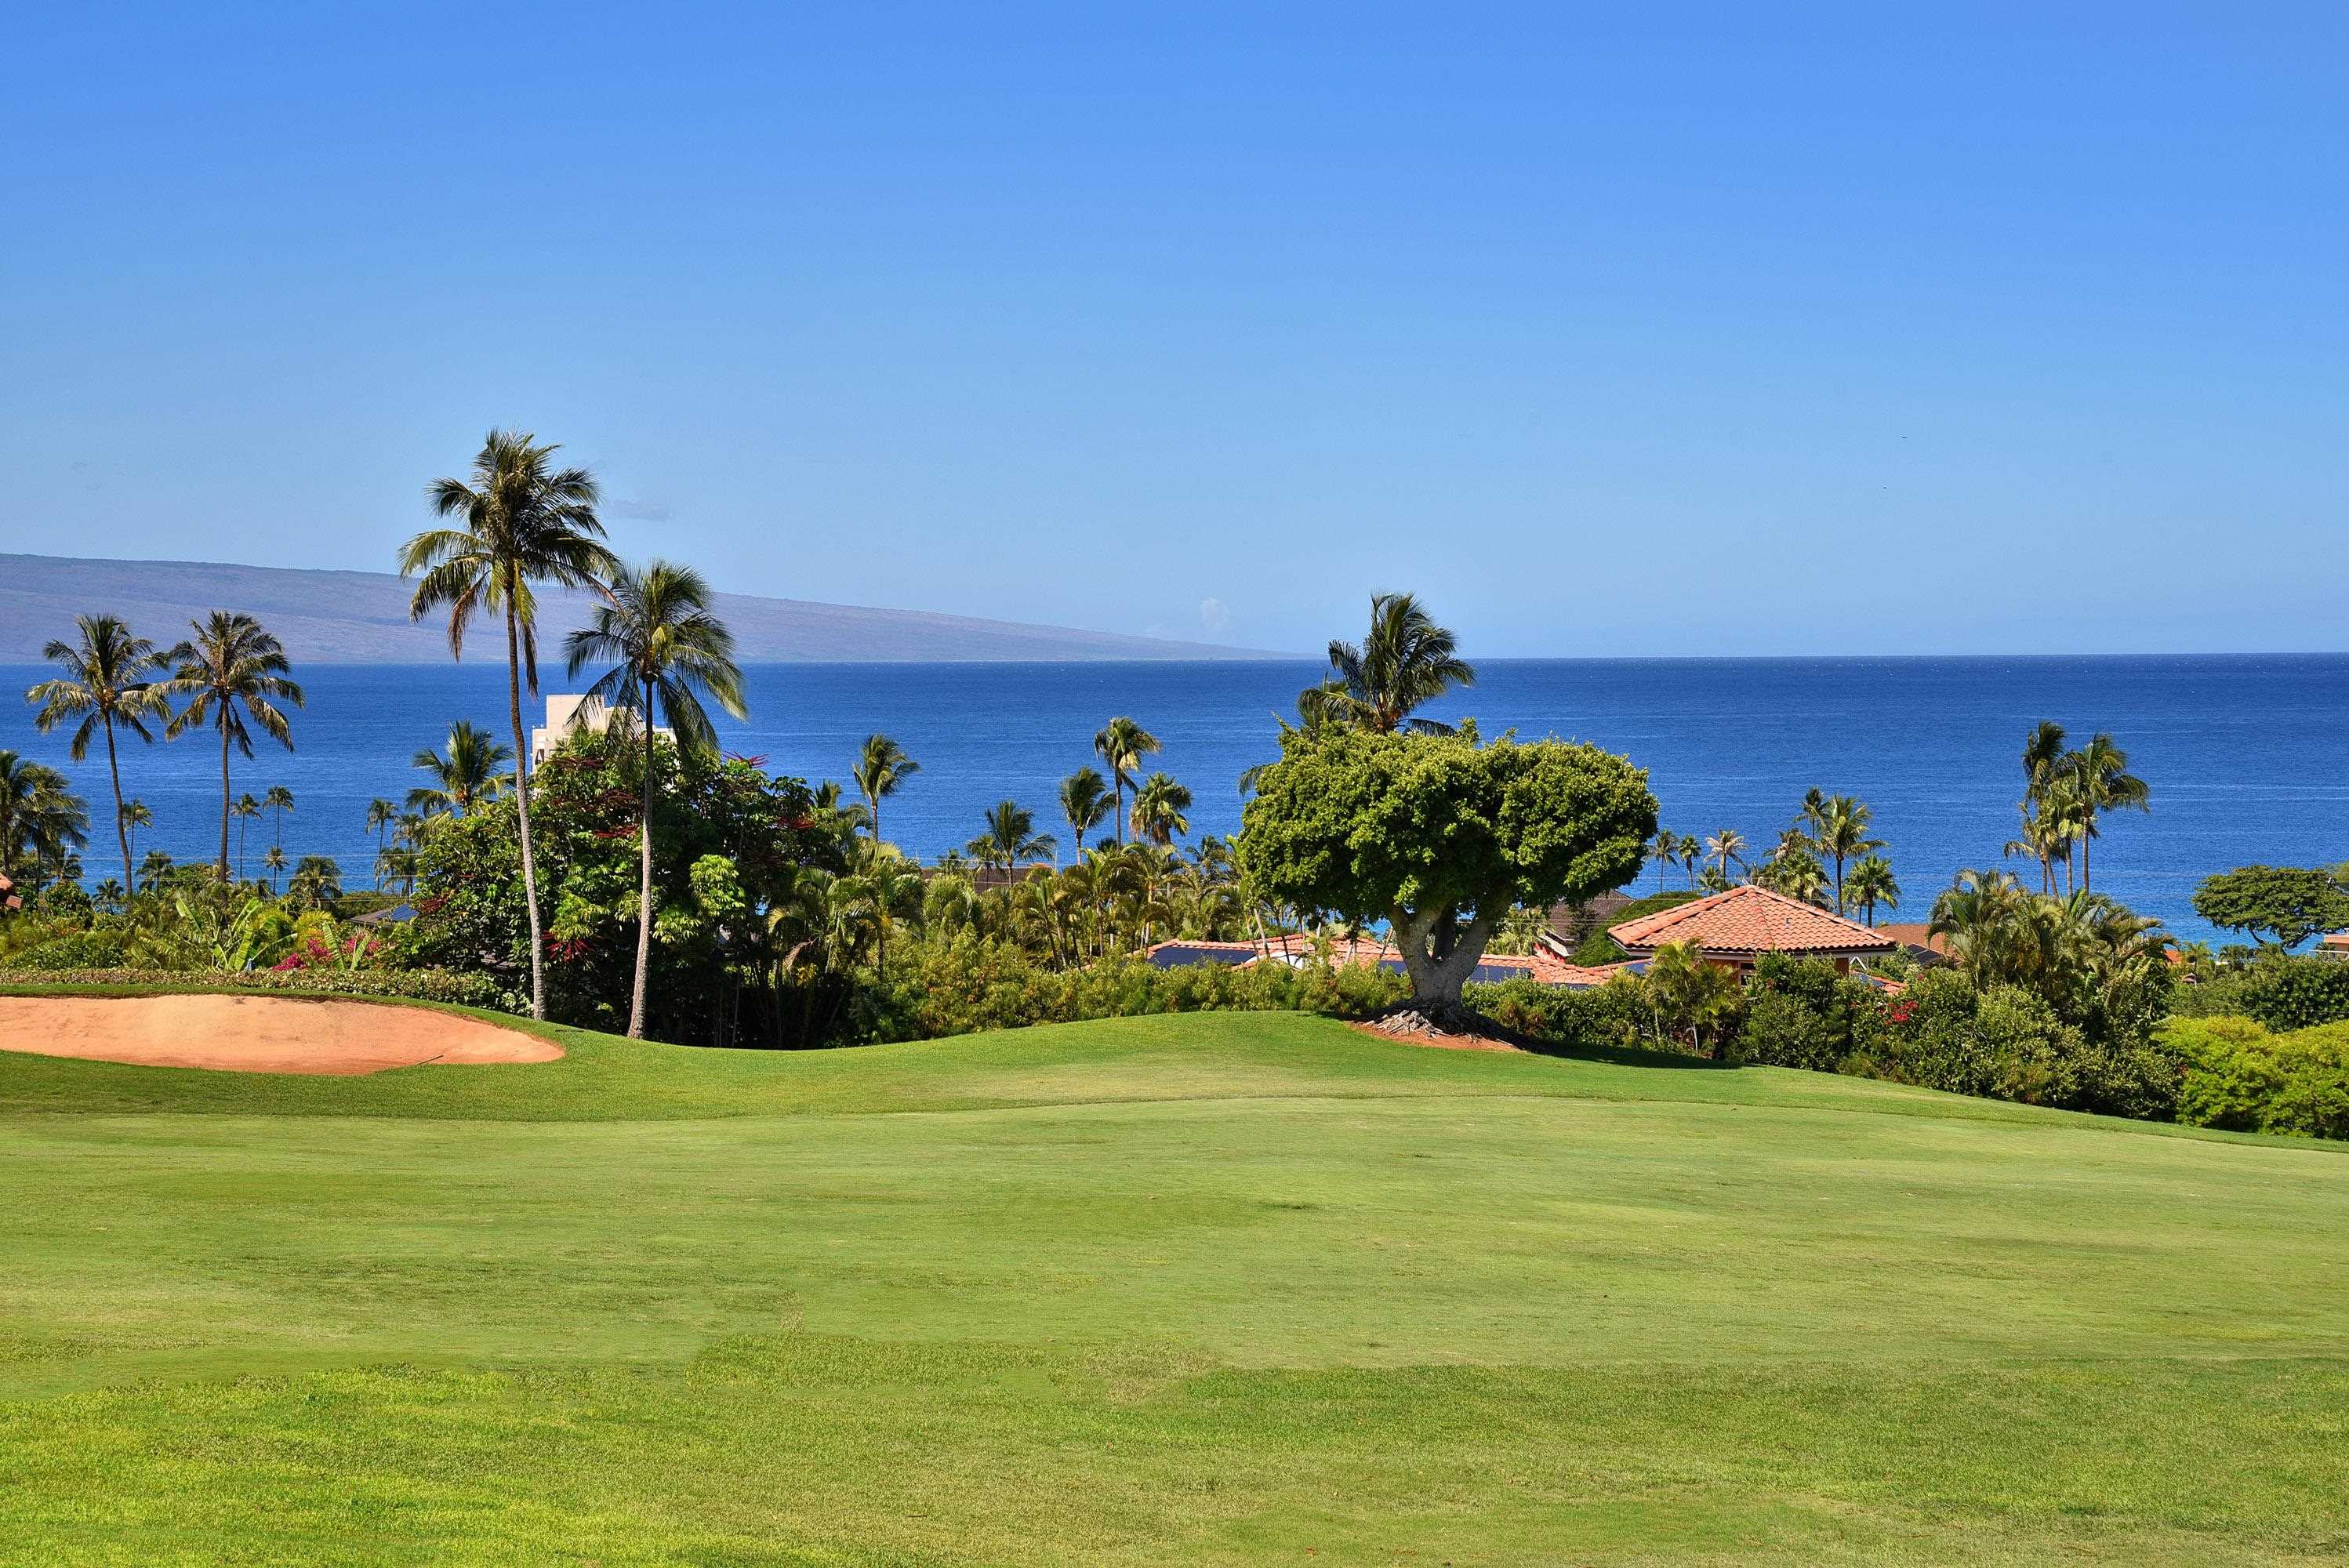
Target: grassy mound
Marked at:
1217, 1288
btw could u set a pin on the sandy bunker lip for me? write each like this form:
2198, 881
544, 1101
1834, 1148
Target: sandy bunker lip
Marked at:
258, 1034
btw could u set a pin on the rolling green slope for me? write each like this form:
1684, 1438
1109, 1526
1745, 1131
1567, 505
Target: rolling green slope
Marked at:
1211, 1289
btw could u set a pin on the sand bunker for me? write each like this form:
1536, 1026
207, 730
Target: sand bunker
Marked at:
257, 1034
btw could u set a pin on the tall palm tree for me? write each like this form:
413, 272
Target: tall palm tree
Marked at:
1871, 884
880, 769
669, 652
2101, 782
1122, 744
1723, 847
106, 679
1085, 802
461, 780
129, 816
279, 800
1664, 851
247, 810
525, 522
1010, 837
1405, 662
2045, 805
40, 816
1839, 826
380, 815
231, 671
1158, 809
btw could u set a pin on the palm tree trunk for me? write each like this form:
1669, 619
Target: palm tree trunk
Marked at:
2083, 856
1117, 794
223, 854
121, 827
644, 880
521, 809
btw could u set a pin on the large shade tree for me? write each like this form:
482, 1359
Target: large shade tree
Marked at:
666, 652
233, 675
106, 678
2278, 905
523, 522
1440, 836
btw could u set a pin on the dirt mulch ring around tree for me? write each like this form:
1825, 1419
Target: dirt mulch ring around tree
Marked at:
258, 1034
1418, 1029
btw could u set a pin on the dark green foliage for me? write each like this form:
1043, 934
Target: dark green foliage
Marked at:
463, 989
1799, 1013
1598, 949
966, 984
707, 953
72, 950
2285, 905
2283, 991
1550, 1017
2238, 1076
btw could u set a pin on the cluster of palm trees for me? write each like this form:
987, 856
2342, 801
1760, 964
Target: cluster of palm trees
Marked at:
231, 676
2065, 790
2072, 948
519, 522
1827, 856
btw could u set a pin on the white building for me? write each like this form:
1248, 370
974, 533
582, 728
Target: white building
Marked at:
570, 712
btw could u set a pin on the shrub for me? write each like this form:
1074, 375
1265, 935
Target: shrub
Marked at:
73, 950
1800, 1013
465, 989
1601, 1017
2238, 1076
2283, 993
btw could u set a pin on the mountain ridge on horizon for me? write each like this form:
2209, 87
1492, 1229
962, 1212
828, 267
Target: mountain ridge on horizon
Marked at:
339, 615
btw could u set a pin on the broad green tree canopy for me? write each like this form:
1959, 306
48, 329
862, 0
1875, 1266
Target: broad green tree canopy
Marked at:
2284, 905
1441, 835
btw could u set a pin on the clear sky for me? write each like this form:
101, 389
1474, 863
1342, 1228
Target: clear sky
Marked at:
1624, 329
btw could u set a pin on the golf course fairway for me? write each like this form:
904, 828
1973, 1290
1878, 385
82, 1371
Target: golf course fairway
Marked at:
1205, 1289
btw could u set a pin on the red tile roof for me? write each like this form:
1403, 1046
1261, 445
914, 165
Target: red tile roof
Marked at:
1544, 968
1750, 919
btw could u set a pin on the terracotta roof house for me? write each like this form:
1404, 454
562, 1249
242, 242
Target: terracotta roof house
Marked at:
7, 898
1740, 926
1923, 943
2334, 944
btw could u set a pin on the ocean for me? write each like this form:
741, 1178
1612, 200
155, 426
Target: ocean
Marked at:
2248, 756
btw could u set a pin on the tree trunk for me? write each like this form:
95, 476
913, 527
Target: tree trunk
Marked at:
2084, 885
223, 854
1117, 794
521, 811
1439, 956
644, 880
121, 827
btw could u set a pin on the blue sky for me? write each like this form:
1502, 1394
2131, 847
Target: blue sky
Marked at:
1729, 329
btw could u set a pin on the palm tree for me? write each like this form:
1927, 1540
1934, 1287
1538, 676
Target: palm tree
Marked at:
106, 680
1122, 745
380, 815
881, 767
888, 887
272, 861
1871, 884
40, 816
109, 896
1158, 809
525, 522
2044, 818
1010, 837
461, 780
246, 811
233, 670
1664, 851
317, 882
129, 816
1839, 831
670, 651
1085, 802
2101, 782
280, 799
1692, 857
152, 867
1405, 662
1723, 847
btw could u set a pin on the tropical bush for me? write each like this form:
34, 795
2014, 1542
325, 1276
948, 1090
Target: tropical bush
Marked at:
2237, 1074
2281, 991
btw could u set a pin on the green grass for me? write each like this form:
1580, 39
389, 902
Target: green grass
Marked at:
1226, 1288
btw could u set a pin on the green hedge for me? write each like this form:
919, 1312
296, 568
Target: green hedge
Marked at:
2239, 1075
2283, 993
420, 984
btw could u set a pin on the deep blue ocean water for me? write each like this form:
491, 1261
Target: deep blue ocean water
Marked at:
2248, 755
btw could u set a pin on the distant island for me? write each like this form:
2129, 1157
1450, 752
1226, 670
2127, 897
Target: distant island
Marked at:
361, 618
